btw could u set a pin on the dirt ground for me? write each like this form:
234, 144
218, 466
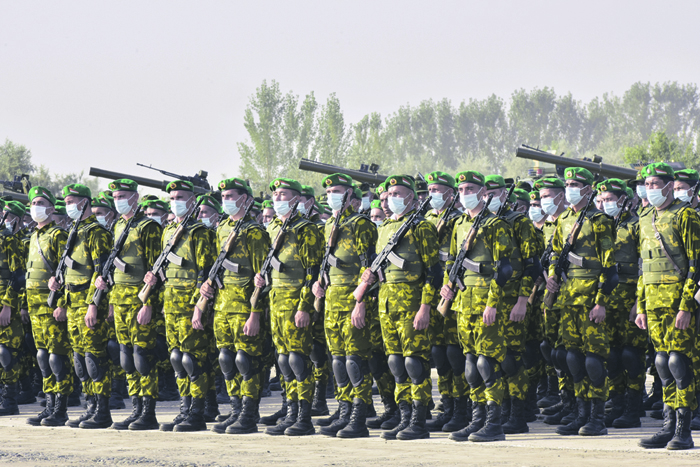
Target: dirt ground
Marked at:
24, 445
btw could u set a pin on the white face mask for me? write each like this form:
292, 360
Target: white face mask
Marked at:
231, 207
282, 208
8, 226
611, 208
536, 214
495, 204
656, 196
573, 195
642, 191
102, 220
207, 221
365, 203
397, 205
73, 211
378, 223
682, 195
265, 224
122, 205
471, 201
437, 201
549, 206
158, 219
335, 201
38, 214
179, 208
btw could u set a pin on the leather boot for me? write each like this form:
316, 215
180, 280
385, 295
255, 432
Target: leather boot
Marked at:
654, 395
91, 407
568, 406
50, 400
147, 420
195, 419
460, 410
371, 412
516, 422
344, 408
9, 400
596, 420
303, 426
541, 387
319, 406
185, 403
116, 401
26, 391
247, 420
137, 404
505, 410
477, 423
552, 396
530, 411
236, 408
416, 428
390, 417
59, 416
614, 408
329, 420
73, 399
168, 391
405, 411
682, 438
211, 406
630, 416
287, 421
583, 411
222, 396
271, 420
357, 427
102, 417
492, 430
665, 434
437, 423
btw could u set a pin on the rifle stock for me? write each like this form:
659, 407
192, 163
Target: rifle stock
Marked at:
61, 266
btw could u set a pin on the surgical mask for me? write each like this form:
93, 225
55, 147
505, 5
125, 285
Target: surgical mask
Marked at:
437, 200
495, 204
265, 224
302, 209
179, 208
536, 214
158, 219
122, 206
230, 207
38, 213
573, 195
73, 211
365, 203
641, 191
8, 226
282, 208
378, 223
611, 208
549, 206
102, 220
470, 201
656, 196
397, 205
335, 201
207, 221
682, 195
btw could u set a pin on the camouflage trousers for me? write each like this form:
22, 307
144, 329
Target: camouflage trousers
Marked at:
129, 334
118, 372
322, 365
12, 337
443, 333
181, 335
93, 341
379, 366
52, 336
515, 335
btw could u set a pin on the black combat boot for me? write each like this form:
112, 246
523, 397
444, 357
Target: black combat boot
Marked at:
541, 390
116, 401
59, 416
303, 426
289, 419
168, 391
614, 408
329, 420
390, 416
665, 434
73, 399
50, 400
477, 423
26, 391
682, 438
437, 423
505, 410
247, 421
185, 403
531, 410
460, 414
416, 428
211, 406
271, 420
516, 422
654, 395
195, 419
9, 400
596, 420
236, 408
583, 411
137, 404
357, 427
492, 430
147, 420
552, 396
91, 407
102, 417
319, 406
344, 408
405, 411
630, 416
568, 406
222, 396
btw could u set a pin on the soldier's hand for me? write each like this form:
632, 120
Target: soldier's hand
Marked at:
683, 319
110, 314
552, 285
59, 314
302, 319
360, 291
197, 319
422, 319
25, 316
641, 321
144, 316
54, 285
252, 325
91, 317
259, 281
207, 290
489, 315
318, 291
5, 316
357, 318
517, 314
597, 314
368, 277
100, 284
539, 281
446, 292
150, 279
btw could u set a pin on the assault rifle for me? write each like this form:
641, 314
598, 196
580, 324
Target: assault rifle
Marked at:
328, 258
506, 203
445, 215
618, 218
200, 179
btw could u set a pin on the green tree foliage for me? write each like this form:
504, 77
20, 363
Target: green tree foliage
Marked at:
659, 147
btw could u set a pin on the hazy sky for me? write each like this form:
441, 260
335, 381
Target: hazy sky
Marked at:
166, 82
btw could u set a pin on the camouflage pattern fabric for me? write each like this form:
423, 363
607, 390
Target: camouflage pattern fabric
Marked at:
130, 333
52, 335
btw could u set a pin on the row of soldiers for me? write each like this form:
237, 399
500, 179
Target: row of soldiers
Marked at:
386, 291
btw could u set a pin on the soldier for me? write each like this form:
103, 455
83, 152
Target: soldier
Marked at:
103, 209
405, 298
209, 211
522, 200
59, 216
669, 246
133, 320
157, 210
376, 214
347, 323
384, 199
268, 213
448, 357
291, 305
12, 277
479, 308
583, 302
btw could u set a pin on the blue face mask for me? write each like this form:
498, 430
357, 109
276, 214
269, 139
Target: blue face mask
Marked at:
230, 207
282, 208
335, 201
437, 200
536, 214
397, 205
179, 208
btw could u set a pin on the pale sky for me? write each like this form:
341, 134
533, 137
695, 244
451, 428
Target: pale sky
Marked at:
166, 82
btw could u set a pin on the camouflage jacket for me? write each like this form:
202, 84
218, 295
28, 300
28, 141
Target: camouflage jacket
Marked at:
365, 238
12, 252
525, 239
57, 241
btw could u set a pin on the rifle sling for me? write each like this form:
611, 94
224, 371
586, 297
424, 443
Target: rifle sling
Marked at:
661, 244
43, 257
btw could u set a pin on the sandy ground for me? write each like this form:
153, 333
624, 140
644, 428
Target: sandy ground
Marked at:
24, 445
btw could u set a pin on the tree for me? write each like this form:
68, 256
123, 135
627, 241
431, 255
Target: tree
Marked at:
660, 148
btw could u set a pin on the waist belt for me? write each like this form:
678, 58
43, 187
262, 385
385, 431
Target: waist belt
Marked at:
77, 288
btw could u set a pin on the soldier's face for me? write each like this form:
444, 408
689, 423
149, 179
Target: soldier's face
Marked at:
556, 194
522, 206
535, 203
377, 215
384, 203
469, 188
445, 191
267, 215
679, 186
658, 183
284, 194
157, 215
129, 195
606, 197
233, 195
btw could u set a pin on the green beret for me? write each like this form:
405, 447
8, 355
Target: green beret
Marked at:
494, 181
687, 175
579, 174
157, 204
421, 186
535, 195
15, 207
375, 204
179, 185
307, 190
257, 206
629, 192
658, 169
40, 191
440, 178
60, 206
549, 182
124, 184
209, 200
285, 183
521, 194
381, 188
76, 189
103, 195
357, 191
267, 204
400, 180
614, 185
101, 203
470, 176
145, 198
233, 183
337, 180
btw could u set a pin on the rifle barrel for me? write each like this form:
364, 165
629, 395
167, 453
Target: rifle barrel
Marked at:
359, 176
143, 181
606, 170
